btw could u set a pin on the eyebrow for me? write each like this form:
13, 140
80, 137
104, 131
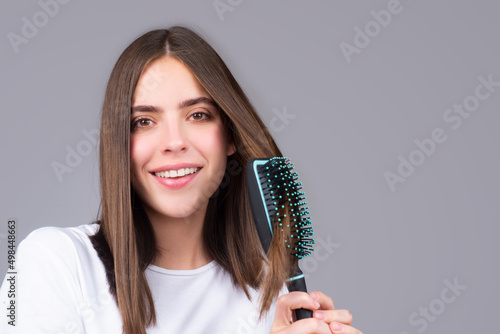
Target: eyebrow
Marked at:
183, 104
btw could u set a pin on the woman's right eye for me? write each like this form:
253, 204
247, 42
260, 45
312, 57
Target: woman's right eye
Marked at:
141, 123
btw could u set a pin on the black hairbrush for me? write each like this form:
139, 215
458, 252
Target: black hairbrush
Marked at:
275, 192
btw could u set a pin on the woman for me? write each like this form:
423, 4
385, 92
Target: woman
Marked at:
175, 249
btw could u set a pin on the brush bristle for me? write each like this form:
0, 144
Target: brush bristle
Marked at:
284, 196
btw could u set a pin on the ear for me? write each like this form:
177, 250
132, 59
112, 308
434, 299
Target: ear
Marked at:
231, 149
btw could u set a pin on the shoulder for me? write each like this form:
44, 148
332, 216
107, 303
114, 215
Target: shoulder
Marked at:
61, 244
57, 237
52, 262
50, 234
61, 283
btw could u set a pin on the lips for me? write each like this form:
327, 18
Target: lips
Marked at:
177, 173
176, 176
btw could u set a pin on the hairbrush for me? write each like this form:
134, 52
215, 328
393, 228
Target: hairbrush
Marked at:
275, 192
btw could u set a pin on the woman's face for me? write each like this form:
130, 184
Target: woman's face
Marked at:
178, 144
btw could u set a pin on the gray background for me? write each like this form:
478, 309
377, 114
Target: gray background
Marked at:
383, 254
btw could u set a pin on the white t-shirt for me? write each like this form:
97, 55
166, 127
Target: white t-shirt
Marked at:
61, 288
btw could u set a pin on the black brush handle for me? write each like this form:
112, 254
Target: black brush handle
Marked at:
299, 284
303, 313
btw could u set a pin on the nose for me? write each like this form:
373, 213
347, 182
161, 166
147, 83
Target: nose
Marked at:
174, 137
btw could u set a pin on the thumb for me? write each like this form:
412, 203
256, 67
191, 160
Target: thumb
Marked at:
289, 302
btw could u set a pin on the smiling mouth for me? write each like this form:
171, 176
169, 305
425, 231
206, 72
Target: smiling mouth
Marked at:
169, 174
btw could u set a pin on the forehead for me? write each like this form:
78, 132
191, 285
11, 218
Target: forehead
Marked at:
167, 80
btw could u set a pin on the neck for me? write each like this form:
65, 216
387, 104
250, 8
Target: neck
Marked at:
179, 241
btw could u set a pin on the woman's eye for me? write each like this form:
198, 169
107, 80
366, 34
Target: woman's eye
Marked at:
142, 123
199, 116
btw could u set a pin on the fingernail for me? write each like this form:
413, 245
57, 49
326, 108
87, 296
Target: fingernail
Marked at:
336, 327
313, 295
316, 304
319, 315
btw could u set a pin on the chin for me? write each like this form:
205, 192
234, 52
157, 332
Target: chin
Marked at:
181, 210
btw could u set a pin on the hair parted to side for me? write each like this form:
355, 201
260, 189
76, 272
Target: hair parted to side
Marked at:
125, 241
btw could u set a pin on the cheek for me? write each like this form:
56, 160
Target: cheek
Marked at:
139, 154
213, 143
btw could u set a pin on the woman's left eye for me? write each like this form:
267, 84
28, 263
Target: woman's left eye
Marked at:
199, 116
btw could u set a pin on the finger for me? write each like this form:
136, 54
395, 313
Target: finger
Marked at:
291, 301
325, 301
309, 326
337, 327
328, 316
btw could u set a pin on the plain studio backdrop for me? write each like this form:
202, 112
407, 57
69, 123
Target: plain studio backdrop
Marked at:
389, 109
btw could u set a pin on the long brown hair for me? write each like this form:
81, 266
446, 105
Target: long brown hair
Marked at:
125, 241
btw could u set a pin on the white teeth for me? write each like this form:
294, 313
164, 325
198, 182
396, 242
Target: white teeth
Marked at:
177, 173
